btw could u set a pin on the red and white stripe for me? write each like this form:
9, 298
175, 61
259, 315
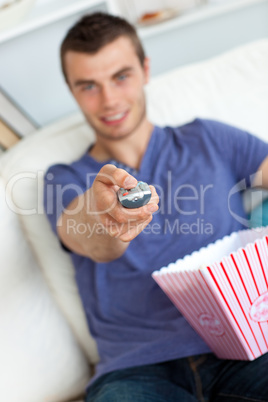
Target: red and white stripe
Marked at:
227, 291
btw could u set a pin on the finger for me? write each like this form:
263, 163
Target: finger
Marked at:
116, 229
135, 231
154, 197
123, 215
111, 226
111, 175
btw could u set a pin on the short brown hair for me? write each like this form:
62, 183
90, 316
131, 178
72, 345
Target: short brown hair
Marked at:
96, 30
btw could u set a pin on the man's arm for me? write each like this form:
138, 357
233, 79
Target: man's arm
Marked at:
96, 225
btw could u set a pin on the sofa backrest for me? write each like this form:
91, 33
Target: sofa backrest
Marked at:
232, 88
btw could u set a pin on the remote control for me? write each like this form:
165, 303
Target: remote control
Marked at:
135, 197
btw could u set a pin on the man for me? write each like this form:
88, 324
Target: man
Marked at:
148, 352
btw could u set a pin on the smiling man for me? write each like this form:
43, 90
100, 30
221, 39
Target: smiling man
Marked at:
148, 352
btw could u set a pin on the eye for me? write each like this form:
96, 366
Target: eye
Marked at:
89, 87
121, 77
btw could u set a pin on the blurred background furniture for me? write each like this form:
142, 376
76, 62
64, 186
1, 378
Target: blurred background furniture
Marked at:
46, 350
13, 11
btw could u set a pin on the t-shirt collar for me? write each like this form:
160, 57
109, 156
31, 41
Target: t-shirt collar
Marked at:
146, 162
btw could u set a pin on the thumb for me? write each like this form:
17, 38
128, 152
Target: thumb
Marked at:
111, 175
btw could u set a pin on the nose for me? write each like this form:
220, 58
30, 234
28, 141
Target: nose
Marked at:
109, 96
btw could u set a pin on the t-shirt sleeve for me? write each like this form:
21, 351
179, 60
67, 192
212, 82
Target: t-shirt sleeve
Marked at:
62, 184
243, 151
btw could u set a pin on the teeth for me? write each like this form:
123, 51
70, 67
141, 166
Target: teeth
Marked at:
115, 117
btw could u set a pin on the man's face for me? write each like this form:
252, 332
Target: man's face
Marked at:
108, 86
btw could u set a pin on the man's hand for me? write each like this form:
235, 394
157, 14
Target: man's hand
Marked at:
119, 222
101, 207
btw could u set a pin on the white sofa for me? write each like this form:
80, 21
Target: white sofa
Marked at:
46, 351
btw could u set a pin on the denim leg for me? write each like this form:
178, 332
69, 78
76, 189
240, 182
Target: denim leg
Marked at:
149, 383
243, 381
203, 378
230, 380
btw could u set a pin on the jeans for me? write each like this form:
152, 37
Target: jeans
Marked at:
198, 378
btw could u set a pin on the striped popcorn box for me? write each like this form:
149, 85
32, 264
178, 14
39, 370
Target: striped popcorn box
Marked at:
222, 291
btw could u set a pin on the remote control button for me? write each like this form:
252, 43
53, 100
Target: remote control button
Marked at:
125, 193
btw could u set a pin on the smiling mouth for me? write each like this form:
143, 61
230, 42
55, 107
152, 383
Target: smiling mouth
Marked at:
116, 118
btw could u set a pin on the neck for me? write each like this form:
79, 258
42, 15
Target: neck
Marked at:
128, 151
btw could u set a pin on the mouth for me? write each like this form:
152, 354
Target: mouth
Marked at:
114, 119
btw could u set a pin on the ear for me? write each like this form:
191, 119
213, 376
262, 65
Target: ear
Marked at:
146, 69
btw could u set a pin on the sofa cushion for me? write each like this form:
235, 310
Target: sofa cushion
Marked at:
23, 170
40, 358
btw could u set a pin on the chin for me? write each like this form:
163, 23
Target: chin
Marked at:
116, 136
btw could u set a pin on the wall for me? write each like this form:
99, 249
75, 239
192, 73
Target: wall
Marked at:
207, 38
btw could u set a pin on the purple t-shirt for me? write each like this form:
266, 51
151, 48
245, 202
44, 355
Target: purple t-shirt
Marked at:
197, 170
